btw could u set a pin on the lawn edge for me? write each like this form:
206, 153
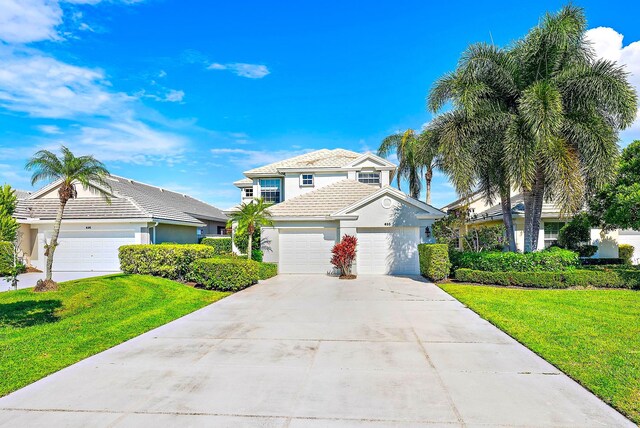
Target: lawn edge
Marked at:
628, 417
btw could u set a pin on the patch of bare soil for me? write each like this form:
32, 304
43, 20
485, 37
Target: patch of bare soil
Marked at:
45, 285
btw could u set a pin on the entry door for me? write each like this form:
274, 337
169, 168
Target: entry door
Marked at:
306, 250
90, 250
383, 251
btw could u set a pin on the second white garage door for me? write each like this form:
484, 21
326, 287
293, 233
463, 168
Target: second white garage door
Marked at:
306, 250
384, 251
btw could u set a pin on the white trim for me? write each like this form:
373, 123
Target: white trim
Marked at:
111, 220
314, 218
390, 190
373, 157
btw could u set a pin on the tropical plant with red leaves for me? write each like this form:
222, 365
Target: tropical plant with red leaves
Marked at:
344, 253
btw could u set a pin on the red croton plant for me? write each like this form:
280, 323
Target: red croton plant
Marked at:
344, 253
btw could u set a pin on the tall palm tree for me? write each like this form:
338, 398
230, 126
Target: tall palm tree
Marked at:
406, 146
250, 216
555, 109
428, 154
69, 170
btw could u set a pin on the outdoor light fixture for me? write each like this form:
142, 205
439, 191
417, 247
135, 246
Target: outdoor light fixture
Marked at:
427, 232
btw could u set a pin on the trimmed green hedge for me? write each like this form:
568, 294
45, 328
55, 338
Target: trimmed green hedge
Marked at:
570, 278
552, 259
168, 261
6, 258
434, 261
268, 270
625, 251
221, 245
224, 273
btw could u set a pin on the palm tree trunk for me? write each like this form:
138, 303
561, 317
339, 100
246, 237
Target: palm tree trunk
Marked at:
51, 247
507, 218
533, 199
249, 246
428, 176
398, 180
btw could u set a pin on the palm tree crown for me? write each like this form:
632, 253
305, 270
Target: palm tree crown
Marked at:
248, 217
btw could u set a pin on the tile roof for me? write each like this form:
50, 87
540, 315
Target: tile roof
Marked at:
324, 201
549, 209
243, 183
323, 158
22, 194
131, 199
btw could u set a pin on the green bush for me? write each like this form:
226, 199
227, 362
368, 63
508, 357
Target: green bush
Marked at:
268, 270
242, 241
6, 258
168, 261
257, 255
571, 278
224, 273
434, 261
587, 250
625, 252
221, 245
552, 259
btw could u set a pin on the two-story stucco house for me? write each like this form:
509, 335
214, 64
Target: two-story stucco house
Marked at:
321, 196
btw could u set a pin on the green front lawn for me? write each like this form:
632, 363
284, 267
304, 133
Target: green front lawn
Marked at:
41, 333
592, 335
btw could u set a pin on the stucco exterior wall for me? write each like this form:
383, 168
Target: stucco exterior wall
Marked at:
269, 244
292, 187
175, 233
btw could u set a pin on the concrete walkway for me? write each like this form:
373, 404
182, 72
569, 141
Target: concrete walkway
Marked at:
28, 280
313, 351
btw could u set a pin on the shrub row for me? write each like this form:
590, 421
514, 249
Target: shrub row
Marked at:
625, 251
552, 259
268, 270
224, 273
570, 278
434, 261
171, 261
221, 246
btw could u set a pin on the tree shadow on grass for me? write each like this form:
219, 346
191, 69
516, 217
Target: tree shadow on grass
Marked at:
28, 313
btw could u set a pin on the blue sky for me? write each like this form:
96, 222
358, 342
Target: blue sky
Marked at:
188, 94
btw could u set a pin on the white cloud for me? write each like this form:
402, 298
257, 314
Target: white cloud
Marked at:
608, 44
251, 71
247, 159
50, 129
41, 86
174, 96
25, 21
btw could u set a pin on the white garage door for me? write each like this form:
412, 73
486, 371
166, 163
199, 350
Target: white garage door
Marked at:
388, 251
90, 250
306, 250
631, 237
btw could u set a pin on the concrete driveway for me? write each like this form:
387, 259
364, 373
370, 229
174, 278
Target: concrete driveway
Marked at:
28, 280
313, 351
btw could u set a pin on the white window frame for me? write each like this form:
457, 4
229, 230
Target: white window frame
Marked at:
302, 180
551, 238
277, 188
369, 177
245, 194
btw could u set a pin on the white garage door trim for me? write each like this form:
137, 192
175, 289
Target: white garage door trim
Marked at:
90, 250
306, 250
388, 251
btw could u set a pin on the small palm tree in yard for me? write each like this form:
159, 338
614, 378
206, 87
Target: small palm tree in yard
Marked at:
70, 170
250, 216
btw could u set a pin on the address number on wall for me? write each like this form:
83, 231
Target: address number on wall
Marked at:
387, 224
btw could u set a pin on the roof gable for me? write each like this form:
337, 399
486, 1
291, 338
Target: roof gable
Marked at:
324, 158
429, 211
370, 160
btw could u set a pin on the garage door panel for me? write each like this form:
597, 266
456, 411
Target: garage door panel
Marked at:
631, 238
388, 251
90, 251
306, 250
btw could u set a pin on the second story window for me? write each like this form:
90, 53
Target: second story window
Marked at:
306, 180
369, 177
248, 192
270, 189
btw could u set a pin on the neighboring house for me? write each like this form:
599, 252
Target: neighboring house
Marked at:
93, 229
631, 237
323, 195
484, 214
